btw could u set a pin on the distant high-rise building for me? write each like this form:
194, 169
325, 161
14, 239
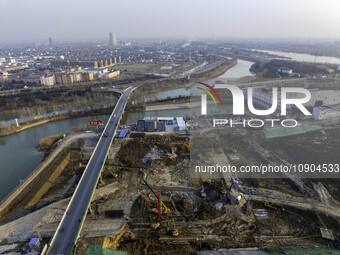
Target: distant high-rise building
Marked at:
87, 76
47, 80
112, 39
50, 41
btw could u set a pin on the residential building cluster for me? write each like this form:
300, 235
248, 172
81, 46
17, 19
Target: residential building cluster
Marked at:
78, 76
66, 63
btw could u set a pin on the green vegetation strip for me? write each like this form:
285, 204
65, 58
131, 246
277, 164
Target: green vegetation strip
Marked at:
99, 250
300, 251
273, 132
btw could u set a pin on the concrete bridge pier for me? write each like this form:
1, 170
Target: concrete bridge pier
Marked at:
100, 181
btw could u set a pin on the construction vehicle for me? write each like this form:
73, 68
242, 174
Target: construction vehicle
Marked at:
154, 210
246, 206
234, 181
252, 226
227, 194
239, 197
174, 231
156, 224
271, 205
203, 194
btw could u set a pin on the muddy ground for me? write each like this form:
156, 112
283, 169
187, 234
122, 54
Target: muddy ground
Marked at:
203, 223
163, 162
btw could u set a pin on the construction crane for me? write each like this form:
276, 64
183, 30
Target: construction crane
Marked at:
166, 209
323, 224
156, 224
203, 194
246, 206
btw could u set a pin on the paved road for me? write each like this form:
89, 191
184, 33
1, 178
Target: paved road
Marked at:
66, 234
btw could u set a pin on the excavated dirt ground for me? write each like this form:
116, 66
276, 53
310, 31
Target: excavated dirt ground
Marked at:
121, 215
163, 161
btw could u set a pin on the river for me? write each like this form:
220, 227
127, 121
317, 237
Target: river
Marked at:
8, 119
19, 155
303, 57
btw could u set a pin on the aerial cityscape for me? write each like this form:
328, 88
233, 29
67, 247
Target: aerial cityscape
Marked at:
170, 127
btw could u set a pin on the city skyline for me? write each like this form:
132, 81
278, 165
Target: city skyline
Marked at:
284, 19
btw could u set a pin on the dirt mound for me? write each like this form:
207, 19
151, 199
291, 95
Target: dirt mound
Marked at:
141, 207
183, 205
47, 142
133, 152
153, 246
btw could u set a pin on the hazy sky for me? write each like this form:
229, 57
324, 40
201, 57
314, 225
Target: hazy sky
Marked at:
33, 20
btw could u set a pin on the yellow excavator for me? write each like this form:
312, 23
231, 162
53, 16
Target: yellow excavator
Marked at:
174, 231
165, 211
272, 205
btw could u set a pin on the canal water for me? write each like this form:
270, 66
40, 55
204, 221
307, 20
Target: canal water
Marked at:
8, 119
304, 57
19, 155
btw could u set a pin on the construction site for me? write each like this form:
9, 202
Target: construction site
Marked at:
147, 201
166, 211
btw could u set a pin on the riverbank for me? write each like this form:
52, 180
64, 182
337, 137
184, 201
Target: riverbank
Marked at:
184, 83
40, 121
169, 106
51, 167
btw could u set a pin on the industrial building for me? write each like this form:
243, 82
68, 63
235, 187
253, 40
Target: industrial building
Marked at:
326, 112
285, 70
180, 124
112, 39
168, 120
150, 125
159, 124
263, 98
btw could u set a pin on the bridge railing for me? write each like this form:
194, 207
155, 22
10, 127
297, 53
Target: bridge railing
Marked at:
80, 181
